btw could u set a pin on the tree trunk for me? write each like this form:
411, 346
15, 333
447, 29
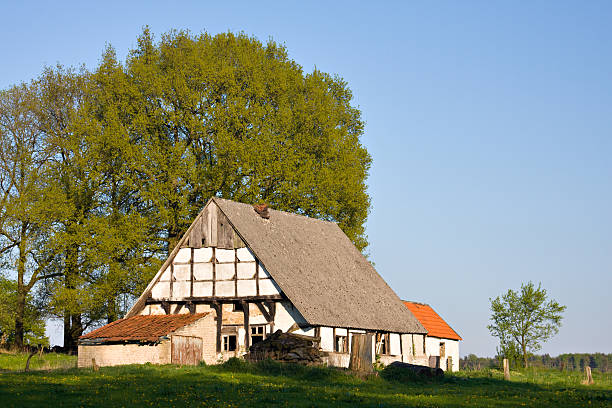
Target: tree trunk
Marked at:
524, 348
19, 316
21, 290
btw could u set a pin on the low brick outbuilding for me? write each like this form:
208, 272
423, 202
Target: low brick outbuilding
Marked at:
156, 339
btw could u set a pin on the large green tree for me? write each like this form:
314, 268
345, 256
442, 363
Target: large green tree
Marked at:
33, 317
226, 115
523, 320
135, 149
29, 202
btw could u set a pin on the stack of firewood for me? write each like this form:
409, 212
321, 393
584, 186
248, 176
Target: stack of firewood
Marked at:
286, 347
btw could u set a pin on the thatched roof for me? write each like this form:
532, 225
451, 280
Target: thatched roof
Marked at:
320, 270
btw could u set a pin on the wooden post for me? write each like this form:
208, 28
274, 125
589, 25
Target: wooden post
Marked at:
247, 327
94, 365
219, 310
361, 353
588, 377
506, 370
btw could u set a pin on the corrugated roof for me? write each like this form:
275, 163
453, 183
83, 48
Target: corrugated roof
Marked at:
319, 269
435, 325
147, 328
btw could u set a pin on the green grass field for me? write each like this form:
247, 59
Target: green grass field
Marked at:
268, 384
48, 361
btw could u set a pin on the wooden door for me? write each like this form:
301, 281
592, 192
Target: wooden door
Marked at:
186, 350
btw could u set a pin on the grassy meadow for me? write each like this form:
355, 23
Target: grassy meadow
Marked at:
13, 361
269, 384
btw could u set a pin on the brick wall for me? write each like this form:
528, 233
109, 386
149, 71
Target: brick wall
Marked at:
205, 328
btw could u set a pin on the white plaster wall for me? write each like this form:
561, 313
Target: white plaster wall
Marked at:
327, 339
245, 255
246, 270
226, 271
451, 348
202, 255
183, 256
225, 255
122, 354
286, 316
268, 287
225, 288
337, 360
394, 344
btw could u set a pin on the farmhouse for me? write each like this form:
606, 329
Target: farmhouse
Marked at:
441, 342
241, 272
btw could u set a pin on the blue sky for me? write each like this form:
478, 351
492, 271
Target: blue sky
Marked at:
489, 124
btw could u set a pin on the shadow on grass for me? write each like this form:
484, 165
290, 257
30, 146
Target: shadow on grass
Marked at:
241, 384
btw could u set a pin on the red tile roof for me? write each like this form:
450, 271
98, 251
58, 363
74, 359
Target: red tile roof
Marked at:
432, 321
142, 328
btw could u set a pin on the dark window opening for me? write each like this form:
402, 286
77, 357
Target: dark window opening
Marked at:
382, 345
442, 349
238, 307
229, 342
258, 334
340, 344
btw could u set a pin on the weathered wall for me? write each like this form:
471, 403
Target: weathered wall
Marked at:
206, 272
206, 329
287, 315
120, 354
451, 349
213, 262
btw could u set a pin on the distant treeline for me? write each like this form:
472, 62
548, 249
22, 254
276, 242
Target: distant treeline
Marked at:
571, 362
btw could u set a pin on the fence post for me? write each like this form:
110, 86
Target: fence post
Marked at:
588, 378
506, 370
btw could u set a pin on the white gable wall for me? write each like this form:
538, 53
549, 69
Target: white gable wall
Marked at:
451, 349
208, 272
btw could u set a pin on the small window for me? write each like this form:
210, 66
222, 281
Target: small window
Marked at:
340, 344
257, 334
442, 350
237, 307
382, 345
229, 342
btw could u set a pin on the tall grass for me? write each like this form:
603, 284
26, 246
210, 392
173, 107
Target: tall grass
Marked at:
16, 361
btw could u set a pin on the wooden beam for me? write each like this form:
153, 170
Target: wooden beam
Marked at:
256, 276
166, 306
191, 307
225, 232
214, 270
171, 278
195, 236
212, 224
219, 310
235, 272
191, 273
272, 309
225, 299
264, 312
247, 329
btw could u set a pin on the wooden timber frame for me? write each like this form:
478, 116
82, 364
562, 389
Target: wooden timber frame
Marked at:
217, 302
211, 228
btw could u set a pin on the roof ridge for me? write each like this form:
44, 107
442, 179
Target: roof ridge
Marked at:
270, 208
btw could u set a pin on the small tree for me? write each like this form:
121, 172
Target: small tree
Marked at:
524, 320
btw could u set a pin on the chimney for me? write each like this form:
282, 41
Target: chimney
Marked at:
262, 210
